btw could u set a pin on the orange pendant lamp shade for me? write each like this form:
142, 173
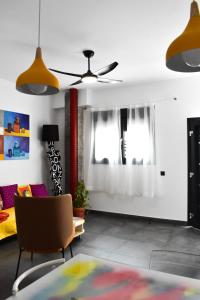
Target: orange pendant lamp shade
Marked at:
183, 55
37, 80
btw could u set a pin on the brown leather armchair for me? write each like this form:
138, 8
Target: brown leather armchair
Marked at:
44, 224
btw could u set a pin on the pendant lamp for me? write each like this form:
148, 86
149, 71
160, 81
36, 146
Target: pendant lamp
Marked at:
37, 80
183, 55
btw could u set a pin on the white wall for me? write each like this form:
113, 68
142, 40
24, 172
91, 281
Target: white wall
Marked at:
171, 144
35, 169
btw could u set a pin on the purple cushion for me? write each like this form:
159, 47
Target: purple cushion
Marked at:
39, 190
7, 194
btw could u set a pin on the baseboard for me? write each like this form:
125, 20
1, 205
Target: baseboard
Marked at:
148, 219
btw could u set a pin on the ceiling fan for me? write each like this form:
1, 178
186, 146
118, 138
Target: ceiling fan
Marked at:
89, 76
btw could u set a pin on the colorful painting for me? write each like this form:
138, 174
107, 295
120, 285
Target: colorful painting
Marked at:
16, 147
1, 147
16, 124
1, 122
14, 135
93, 280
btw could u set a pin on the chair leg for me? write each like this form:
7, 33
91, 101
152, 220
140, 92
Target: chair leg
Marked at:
70, 247
18, 263
31, 256
63, 252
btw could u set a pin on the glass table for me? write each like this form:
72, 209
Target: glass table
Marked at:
88, 278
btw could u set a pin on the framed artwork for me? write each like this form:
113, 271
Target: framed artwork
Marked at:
14, 135
1, 122
1, 147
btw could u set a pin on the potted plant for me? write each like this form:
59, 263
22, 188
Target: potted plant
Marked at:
81, 200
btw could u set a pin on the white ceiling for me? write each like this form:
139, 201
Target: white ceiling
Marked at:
134, 33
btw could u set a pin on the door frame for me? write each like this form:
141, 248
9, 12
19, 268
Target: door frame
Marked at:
191, 123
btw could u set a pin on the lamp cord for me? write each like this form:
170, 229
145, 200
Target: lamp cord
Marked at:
39, 23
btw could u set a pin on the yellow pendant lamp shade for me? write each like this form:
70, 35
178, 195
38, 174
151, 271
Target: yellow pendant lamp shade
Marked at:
37, 80
183, 55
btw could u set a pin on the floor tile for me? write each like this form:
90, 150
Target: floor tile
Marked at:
106, 242
118, 238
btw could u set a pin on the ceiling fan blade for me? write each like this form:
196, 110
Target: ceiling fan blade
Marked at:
106, 69
77, 82
107, 80
65, 73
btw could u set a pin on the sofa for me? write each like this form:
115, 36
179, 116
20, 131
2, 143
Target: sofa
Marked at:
7, 211
8, 227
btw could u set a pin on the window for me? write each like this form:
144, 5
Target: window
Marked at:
119, 151
128, 135
106, 136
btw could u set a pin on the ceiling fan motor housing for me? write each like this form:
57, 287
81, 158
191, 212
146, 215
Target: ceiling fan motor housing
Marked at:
88, 53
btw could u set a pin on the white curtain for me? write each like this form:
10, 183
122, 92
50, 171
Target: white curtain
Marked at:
103, 167
102, 150
139, 173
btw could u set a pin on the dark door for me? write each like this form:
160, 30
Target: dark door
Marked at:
193, 131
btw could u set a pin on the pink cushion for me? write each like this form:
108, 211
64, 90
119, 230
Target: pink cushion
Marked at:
7, 194
39, 190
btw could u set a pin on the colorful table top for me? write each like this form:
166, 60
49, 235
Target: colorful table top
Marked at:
89, 278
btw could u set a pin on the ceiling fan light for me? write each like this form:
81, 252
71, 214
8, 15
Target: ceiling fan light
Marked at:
37, 80
89, 79
183, 54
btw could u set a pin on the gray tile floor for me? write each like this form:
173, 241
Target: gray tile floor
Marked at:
122, 239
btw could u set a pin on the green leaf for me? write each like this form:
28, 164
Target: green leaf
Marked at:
81, 196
